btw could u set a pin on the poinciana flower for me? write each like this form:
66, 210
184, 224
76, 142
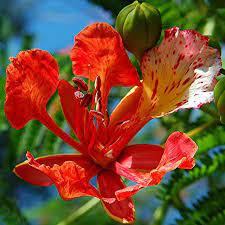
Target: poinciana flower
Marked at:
178, 74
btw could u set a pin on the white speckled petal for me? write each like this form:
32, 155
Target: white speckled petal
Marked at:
178, 74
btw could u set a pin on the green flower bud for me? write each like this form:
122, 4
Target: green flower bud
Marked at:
213, 42
140, 26
219, 98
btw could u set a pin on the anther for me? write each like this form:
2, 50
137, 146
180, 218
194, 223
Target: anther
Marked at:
80, 84
86, 100
78, 94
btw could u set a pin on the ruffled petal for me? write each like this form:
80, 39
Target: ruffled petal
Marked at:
121, 211
32, 78
178, 74
70, 173
99, 50
178, 153
76, 115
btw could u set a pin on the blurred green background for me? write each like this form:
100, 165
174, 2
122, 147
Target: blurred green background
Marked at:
184, 197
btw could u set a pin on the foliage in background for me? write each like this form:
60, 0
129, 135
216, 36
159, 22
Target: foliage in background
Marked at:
154, 204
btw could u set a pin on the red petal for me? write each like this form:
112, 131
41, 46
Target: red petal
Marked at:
137, 159
70, 174
122, 211
32, 78
180, 73
99, 50
75, 114
127, 192
179, 152
141, 157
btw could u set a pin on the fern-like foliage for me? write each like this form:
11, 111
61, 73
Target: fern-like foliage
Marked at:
3, 124
210, 139
181, 179
10, 214
210, 210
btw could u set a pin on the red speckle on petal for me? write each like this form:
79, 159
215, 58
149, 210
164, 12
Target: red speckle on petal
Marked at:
152, 75
166, 89
187, 70
181, 57
172, 87
155, 89
178, 84
186, 81
179, 104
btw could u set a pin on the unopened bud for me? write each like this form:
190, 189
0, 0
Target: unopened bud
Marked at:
213, 42
219, 98
140, 26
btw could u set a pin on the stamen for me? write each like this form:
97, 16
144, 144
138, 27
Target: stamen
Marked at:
78, 94
97, 96
98, 83
99, 105
106, 118
89, 77
125, 124
86, 100
98, 115
80, 83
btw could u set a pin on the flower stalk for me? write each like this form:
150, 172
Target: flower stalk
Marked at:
80, 212
203, 127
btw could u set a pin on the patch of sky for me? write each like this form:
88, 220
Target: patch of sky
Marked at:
55, 23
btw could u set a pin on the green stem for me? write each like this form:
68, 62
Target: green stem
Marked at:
160, 213
79, 212
178, 203
203, 127
210, 111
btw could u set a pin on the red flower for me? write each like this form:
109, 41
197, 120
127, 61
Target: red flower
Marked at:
180, 73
